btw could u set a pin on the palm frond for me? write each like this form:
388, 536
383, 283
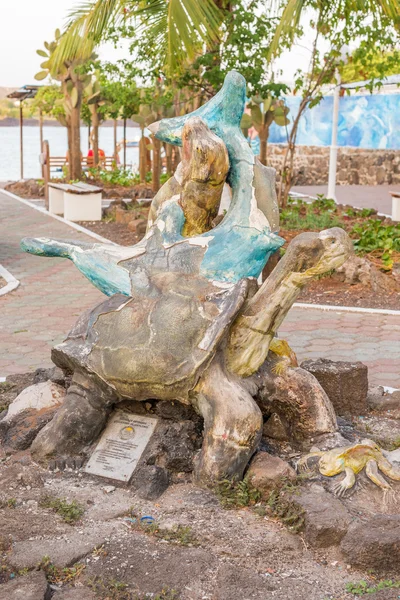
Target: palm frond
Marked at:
86, 27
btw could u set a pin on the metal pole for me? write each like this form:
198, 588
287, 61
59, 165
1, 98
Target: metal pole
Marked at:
21, 141
333, 152
88, 137
124, 142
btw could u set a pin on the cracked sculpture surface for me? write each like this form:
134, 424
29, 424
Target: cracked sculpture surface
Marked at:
185, 319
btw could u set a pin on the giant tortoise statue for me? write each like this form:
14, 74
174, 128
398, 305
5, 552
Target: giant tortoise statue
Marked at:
185, 319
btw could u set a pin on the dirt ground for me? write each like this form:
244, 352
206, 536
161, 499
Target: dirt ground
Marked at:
229, 554
327, 290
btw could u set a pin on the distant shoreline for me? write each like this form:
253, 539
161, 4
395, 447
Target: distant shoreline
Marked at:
30, 122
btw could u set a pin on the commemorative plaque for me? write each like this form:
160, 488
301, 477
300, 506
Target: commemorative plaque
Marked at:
121, 445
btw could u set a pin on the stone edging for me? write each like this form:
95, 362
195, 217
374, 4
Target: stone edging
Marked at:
12, 283
356, 309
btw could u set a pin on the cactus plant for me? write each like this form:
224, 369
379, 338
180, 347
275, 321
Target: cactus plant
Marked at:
264, 112
73, 78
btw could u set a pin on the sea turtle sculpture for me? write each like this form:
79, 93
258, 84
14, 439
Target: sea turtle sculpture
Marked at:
350, 460
185, 320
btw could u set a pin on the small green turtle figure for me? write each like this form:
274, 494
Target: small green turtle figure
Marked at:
351, 460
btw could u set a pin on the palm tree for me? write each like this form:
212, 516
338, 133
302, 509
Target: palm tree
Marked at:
178, 27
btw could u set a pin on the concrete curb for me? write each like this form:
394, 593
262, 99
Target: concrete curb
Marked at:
353, 309
12, 283
58, 218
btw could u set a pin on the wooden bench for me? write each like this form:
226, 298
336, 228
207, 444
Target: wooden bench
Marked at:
57, 163
66, 199
395, 205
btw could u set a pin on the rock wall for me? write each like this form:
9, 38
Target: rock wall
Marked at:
355, 166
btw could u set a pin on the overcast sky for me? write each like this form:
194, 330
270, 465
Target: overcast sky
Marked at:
26, 24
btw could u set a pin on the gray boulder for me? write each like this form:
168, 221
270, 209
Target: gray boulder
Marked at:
374, 544
346, 383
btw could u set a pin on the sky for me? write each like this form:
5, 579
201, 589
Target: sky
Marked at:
26, 24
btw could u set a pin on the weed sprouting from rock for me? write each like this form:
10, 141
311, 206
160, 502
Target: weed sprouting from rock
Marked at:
70, 512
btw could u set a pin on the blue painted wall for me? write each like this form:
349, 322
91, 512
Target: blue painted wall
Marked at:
370, 121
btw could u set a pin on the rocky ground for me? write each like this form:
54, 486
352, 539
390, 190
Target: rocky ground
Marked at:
197, 550
68, 535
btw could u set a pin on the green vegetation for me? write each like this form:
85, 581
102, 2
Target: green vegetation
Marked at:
70, 512
374, 236
112, 589
8, 503
284, 507
362, 587
60, 575
237, 494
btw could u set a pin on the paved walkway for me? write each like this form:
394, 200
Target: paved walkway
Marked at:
53, 294
359, 196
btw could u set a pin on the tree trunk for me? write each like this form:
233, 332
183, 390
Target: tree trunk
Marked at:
142, 159
156, 164
168, 155
115, 141
95, 137
287, 166
263, 150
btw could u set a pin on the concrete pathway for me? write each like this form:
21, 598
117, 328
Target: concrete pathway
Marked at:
53, 293
359, 196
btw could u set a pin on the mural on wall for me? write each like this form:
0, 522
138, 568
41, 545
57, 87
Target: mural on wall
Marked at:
369, 121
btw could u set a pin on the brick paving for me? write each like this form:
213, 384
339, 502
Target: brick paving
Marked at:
53, 293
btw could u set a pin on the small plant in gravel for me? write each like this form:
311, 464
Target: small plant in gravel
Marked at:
362, 587
8, 502
237, 494
112, 589
57, 575
70, 512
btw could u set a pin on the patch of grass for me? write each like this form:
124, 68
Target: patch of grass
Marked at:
237, 494
57, 575
374, 236
395, 444
21, 331
70, 512
284, 507
8, 502
112, 589
180, 535
362, 587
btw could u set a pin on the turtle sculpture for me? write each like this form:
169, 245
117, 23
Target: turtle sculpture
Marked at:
350, 461
186, 320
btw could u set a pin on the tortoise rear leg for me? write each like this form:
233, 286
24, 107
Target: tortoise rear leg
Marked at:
232, 425
77, 423
373, 474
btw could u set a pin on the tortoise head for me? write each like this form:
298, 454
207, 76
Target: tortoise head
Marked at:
313, 254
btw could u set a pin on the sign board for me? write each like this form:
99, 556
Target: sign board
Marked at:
121, 445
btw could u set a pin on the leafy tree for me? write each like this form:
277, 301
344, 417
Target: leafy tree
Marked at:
335, 24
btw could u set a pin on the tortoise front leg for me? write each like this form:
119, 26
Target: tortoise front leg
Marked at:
232, 425
341, 487
77, 423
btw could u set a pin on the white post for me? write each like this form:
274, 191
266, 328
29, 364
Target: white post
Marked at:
333, 153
